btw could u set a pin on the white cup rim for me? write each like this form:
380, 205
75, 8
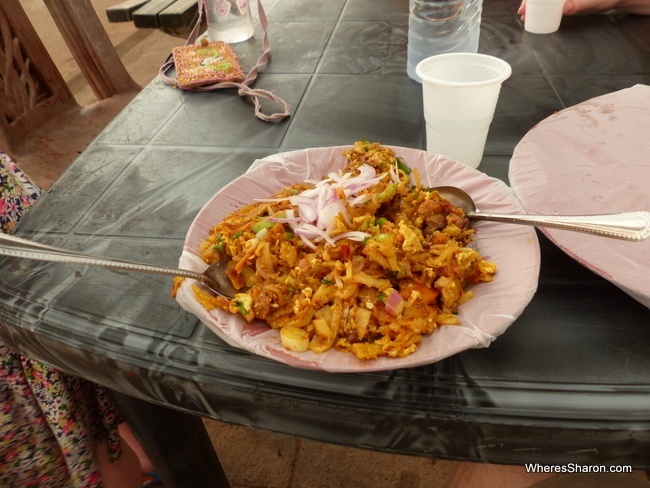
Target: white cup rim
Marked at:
504, 69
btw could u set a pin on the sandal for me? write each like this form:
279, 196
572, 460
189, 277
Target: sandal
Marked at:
150, 478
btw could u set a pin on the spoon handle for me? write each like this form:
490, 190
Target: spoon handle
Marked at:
631, 226
22, 248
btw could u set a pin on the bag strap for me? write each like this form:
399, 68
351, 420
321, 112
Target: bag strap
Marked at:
244, 88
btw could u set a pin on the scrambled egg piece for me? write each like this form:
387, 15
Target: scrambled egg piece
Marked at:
411, 239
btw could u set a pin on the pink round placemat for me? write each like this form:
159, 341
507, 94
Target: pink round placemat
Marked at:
592, 158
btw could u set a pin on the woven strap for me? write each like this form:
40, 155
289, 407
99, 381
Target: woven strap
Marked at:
244, 88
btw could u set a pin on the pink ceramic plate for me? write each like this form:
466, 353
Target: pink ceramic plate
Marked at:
588, 159
496, 305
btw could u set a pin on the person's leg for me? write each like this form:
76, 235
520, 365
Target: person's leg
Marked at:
124, 473
146, 466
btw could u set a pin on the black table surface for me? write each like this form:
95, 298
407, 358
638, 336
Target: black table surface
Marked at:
569, 381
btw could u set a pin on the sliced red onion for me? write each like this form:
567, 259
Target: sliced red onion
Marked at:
307, 211
318, 207
353, 235
312, 232
394, 173
327, 215
284, 220
356, 201
394, 303
307, 241
302, 198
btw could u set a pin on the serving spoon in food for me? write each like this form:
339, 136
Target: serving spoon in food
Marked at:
214, 277
631, 226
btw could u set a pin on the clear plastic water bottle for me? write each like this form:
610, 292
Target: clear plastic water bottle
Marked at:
229, 20
441, 26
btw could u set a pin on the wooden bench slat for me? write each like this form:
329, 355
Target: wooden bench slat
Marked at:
180, 14
147, 16
123, 12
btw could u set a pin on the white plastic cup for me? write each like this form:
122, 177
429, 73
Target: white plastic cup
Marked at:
229, 20
460, 93
543, 16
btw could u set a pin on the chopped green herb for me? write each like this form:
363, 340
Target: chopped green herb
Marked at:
241, 306
387, 193
262, 224
402, 166
327, 281
219, 245
366, 223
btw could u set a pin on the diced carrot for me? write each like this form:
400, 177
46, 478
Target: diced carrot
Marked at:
429, 295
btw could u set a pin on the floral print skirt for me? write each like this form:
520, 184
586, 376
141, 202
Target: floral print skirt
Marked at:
50, 421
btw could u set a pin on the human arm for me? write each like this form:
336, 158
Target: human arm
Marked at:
571, 7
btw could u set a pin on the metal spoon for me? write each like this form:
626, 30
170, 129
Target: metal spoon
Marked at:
213, 278
631, 226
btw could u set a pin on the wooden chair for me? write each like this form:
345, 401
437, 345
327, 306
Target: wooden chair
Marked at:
32, 89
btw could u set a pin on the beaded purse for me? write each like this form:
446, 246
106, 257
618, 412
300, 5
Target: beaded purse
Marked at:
206, 63
214, 65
